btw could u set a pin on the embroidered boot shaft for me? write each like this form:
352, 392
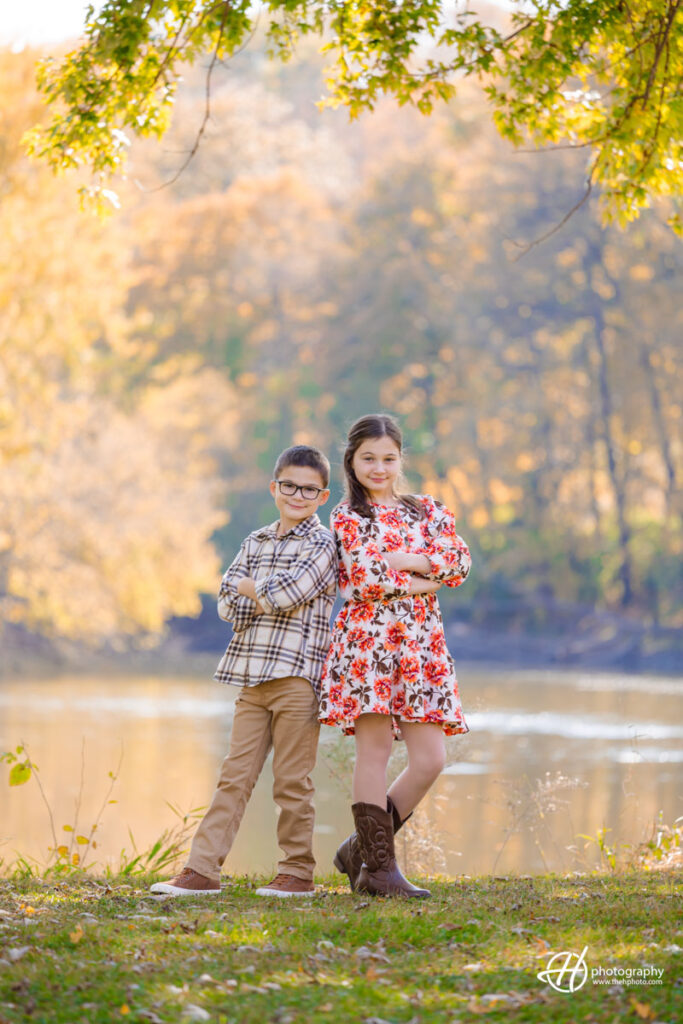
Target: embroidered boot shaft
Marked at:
348, 858
379, 873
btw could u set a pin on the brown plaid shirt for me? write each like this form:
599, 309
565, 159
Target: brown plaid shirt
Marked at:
296, 583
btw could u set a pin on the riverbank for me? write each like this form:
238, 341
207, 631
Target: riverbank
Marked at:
103, 950
521, 632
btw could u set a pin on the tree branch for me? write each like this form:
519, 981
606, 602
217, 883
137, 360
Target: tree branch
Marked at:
542, 238
207, 106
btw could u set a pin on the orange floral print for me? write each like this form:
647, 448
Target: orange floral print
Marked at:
388, 653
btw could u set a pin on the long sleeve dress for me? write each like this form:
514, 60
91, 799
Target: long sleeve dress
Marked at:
388, 653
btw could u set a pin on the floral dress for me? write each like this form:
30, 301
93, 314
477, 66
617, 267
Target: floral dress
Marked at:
388, 653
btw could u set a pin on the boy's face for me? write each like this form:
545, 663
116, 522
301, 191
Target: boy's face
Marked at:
303, 503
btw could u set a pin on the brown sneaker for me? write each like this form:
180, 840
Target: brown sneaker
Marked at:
287, 885
187, 883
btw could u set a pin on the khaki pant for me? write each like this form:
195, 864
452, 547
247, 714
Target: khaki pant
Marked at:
282, 714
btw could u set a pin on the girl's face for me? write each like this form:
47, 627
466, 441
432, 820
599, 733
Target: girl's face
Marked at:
377, 464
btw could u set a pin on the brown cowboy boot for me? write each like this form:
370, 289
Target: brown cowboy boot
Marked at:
380, 874
348, 858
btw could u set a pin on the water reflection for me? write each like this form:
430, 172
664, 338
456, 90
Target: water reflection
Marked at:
607, 756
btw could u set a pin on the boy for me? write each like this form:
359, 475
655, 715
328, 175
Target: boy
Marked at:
278, 594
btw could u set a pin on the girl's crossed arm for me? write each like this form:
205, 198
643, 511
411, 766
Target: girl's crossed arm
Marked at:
448, 555
365, 573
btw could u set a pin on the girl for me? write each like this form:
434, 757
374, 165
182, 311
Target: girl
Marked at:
388, 672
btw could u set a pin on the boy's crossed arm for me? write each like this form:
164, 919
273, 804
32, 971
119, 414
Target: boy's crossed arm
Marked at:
314, 571
241, 597
247, 588
234, 605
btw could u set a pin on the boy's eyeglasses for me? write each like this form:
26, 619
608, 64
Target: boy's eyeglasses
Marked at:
308, 491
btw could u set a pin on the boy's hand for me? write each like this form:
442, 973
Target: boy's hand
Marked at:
247, 588
405, 561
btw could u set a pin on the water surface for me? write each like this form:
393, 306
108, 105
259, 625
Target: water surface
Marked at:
550, 755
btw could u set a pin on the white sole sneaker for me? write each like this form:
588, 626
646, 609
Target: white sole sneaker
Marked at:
265, 891
166, 889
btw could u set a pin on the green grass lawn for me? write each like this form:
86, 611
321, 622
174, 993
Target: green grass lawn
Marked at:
84, 949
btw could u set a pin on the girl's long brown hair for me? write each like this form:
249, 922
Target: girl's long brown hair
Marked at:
372, 426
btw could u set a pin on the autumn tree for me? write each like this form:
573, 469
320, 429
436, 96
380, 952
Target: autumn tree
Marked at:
109, 496
599, 76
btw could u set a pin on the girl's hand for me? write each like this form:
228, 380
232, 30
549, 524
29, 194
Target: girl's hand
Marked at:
405, 561
422, 586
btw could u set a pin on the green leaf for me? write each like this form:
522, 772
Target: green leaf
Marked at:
20, 773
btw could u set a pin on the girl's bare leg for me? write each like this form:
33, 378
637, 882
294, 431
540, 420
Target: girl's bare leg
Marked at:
426, 760
374, 738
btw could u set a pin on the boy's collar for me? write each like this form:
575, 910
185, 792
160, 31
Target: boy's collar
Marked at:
301, 529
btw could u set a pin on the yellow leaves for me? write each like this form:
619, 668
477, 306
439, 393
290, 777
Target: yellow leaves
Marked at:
124, 1010
492, 431
501, 493
327, 309
601, 285
462, 483
526, 461
478, 517
248, 380
641, 272
643, 1010
77, 934
567, 258
265, 331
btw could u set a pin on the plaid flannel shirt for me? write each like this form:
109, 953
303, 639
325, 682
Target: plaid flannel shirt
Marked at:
296, 583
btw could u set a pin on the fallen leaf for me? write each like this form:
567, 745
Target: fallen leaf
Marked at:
194, 1012
16, 954
492, 998
123, 1010
77, 934
644, 1010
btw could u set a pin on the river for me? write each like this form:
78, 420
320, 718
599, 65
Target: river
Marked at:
549, 756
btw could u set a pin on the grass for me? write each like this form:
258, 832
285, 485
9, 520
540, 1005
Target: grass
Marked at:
82, 949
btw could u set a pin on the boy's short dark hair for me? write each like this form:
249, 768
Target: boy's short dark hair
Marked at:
303, 455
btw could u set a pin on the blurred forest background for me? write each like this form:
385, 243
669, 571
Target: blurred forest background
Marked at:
301, 271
